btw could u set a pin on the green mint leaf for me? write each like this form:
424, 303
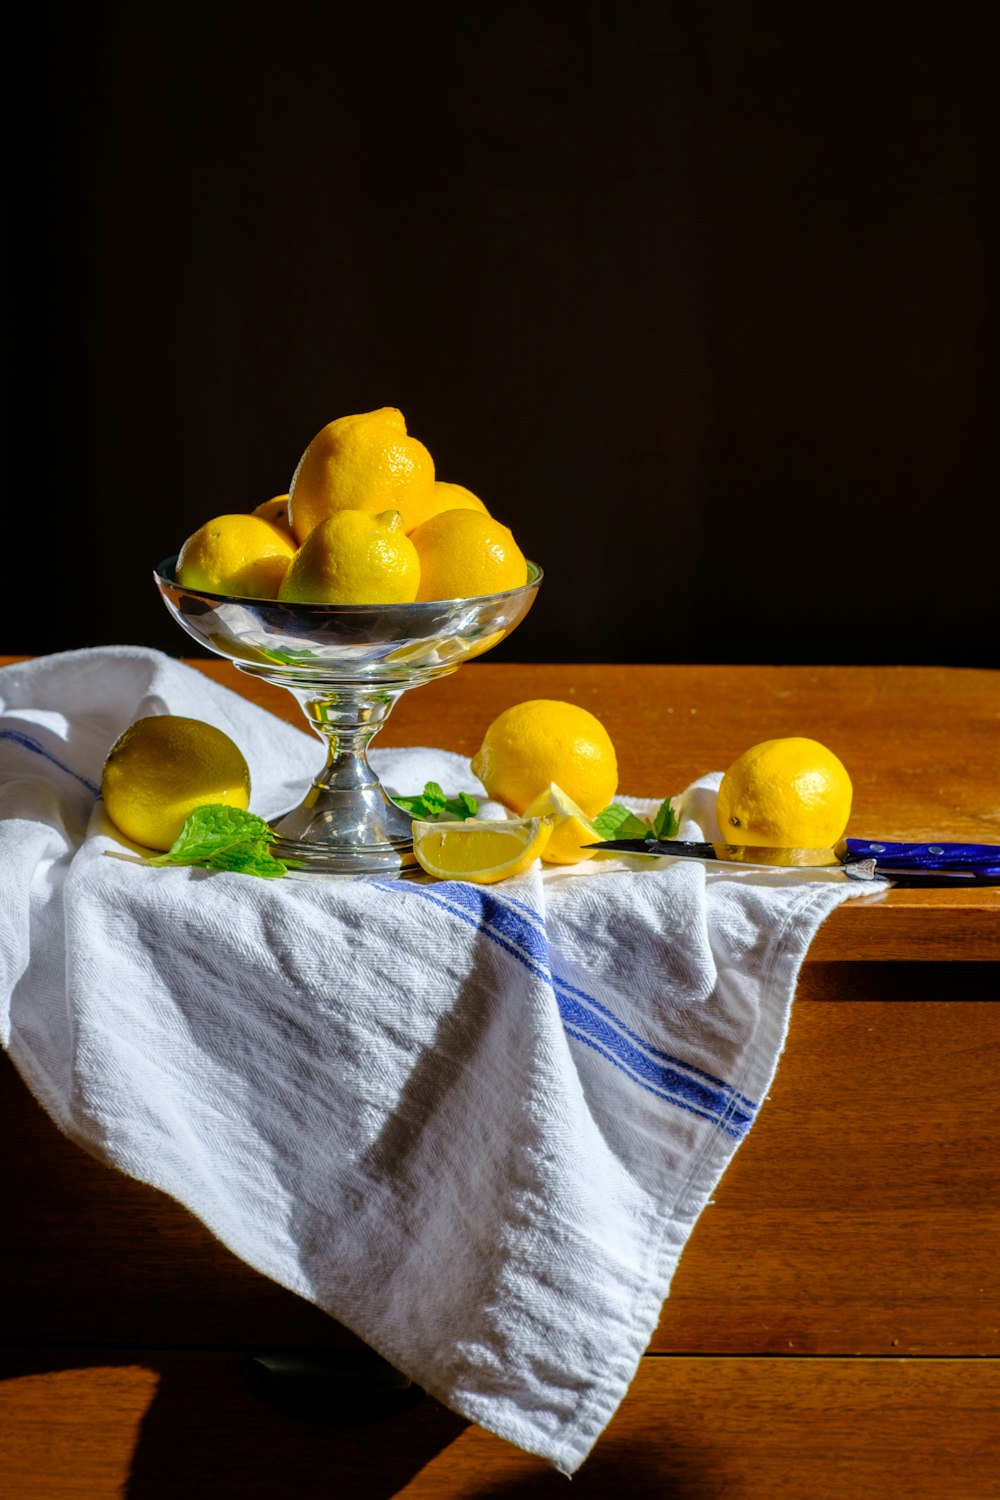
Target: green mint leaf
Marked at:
215, 827
248, 861
432, 802
415, 806
618, 822
218, 837
434, 798
665, 822
463, 806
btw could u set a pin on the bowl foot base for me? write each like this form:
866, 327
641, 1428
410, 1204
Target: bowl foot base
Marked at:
346, 830
330, 858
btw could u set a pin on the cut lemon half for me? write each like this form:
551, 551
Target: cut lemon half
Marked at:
479, 849
571, 828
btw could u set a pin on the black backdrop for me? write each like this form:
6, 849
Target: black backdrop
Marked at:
700, 298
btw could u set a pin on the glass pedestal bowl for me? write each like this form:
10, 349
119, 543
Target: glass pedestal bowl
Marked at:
346, 665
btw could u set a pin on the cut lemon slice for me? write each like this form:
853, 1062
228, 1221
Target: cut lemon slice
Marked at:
571, 828
478, 849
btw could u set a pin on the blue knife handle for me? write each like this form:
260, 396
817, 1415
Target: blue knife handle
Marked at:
972, 862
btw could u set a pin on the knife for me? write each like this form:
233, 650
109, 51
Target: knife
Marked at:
857, 859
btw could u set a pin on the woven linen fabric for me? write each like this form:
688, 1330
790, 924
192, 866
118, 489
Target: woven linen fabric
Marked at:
474, 1124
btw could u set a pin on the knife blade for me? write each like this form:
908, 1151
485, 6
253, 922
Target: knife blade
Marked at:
910, 864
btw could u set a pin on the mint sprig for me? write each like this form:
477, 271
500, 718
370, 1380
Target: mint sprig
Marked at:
432, 803
615, 822
217, 837
618, 822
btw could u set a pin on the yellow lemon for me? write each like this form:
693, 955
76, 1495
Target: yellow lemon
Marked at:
275, 510
447, 496
242, 555
364, 462
465, 554
572, 830
354, 558
161, 768
543, 740
788, 793
479, 849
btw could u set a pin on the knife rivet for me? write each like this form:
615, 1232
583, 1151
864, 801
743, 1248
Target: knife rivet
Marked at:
877, 848
934, 849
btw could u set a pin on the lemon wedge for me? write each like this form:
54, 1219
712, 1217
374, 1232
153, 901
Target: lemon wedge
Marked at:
479, 849
571, 828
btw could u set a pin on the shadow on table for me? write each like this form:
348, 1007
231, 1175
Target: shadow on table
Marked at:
234, 1444
155, 1425
211, 1431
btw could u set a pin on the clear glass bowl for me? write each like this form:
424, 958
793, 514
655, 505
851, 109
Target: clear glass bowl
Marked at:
346, 665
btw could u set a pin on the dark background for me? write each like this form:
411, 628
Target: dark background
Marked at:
700, 298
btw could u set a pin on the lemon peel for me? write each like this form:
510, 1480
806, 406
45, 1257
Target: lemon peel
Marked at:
541, 740
465, 554
354, 558
163, 767
789, 793
244, 556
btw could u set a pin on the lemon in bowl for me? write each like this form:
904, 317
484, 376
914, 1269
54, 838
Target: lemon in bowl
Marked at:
466, 554
366, 461
245, 556
354, 557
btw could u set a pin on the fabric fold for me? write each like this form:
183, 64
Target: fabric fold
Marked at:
474, 1124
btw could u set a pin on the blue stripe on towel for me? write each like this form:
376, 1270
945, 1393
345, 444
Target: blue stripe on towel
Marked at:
476, 916
708, 1078
513, 925
29, 743
534, 917
515, 928
718, 1103
737, 1131
583, 1013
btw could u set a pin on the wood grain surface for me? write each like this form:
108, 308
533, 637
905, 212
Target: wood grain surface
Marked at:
834, 1326
163, 1424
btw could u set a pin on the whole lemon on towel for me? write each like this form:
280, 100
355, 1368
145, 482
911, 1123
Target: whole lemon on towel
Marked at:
542, 740
790, 793
163, 767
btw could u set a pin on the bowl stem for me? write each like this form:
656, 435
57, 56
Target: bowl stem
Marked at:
346, 823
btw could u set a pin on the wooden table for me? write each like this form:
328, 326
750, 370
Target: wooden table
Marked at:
834, 1326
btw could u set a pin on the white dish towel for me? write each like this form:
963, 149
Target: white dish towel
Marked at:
475, 1124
